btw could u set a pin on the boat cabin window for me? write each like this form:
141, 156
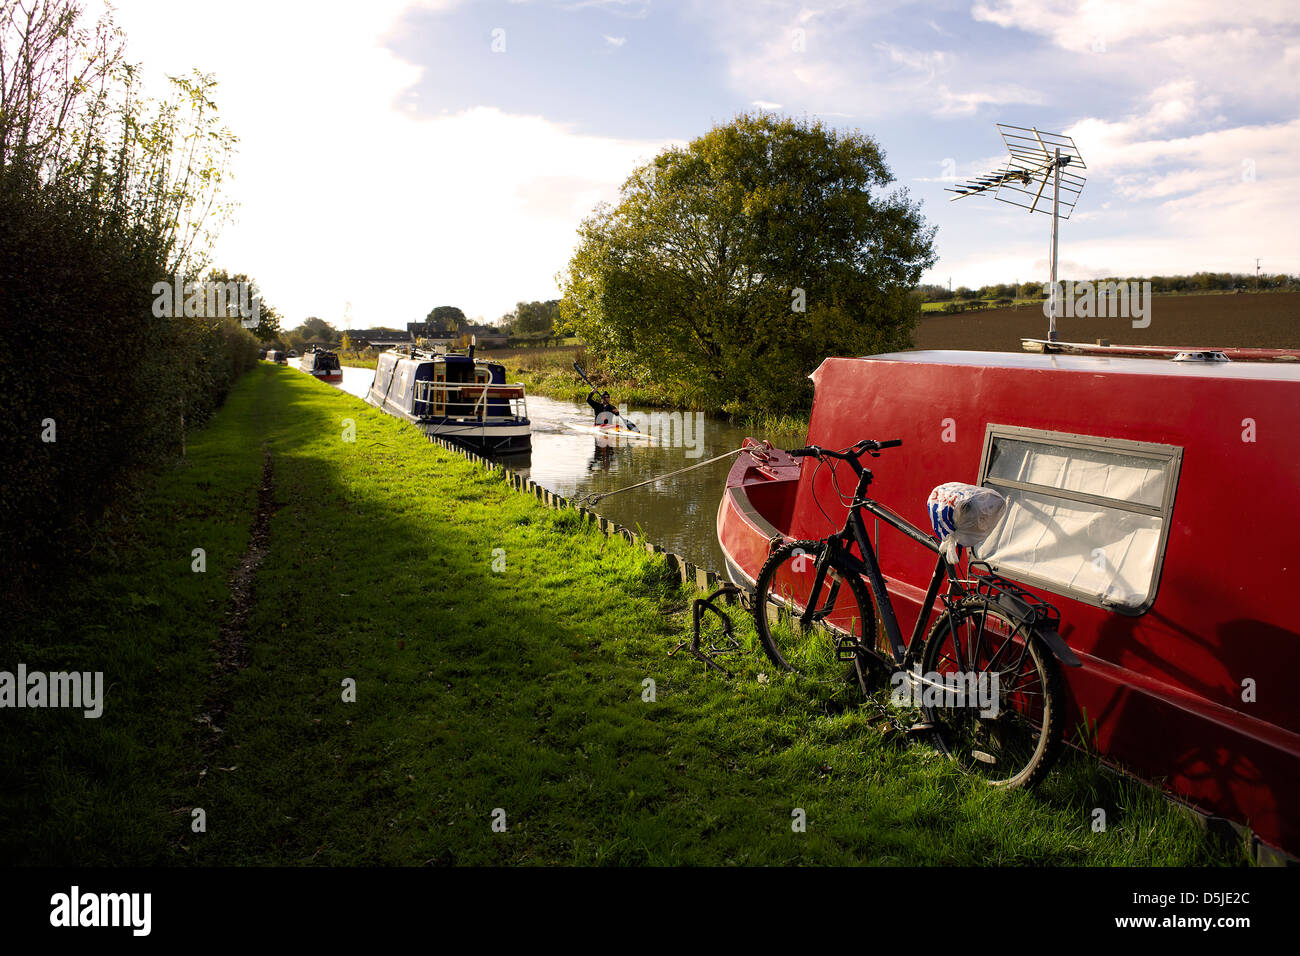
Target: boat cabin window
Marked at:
1086, 517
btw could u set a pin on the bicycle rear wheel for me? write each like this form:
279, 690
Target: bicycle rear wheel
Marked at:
843, 627
1005, 725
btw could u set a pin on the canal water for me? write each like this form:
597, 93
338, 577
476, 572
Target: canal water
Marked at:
679, 513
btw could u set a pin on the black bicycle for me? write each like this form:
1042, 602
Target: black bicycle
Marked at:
986, 678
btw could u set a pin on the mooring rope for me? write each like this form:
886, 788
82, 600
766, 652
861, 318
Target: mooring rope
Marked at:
594, 497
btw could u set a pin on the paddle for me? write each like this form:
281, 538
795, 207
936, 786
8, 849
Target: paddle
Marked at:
583, 375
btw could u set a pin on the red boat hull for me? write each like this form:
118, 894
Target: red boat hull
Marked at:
1162, 690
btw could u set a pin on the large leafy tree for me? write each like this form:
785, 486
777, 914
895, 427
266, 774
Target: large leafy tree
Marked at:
446, 317
532, 318
268, 317
733, 266
317, 328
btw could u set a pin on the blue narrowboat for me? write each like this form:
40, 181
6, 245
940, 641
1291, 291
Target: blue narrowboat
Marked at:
455, 396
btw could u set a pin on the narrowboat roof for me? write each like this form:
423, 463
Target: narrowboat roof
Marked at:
429, 357
1252, 371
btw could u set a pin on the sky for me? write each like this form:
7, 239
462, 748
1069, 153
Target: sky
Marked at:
397, 155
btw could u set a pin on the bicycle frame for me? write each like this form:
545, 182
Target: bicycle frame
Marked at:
838, 553
1034, 616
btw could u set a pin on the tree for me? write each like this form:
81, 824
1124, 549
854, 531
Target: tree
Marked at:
105, 195
238, 287
532, 318
446, 317
733, 266
314, 328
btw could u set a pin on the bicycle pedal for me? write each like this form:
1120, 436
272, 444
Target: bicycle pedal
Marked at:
848, 651
921, 727
982, 757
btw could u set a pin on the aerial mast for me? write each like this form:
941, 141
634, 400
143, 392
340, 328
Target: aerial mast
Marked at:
1036, 162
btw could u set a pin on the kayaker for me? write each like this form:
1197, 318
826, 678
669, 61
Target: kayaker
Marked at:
602, 407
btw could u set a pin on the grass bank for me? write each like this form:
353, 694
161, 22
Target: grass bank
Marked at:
358, 359
500, 653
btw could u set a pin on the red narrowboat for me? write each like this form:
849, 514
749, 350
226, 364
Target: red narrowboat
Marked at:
1148, 500
321, 364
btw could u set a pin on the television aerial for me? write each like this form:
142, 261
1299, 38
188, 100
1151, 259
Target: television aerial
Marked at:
1044, 173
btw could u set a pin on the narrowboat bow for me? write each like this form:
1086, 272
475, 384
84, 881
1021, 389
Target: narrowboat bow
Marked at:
321, 364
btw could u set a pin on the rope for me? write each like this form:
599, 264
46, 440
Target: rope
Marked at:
594, 497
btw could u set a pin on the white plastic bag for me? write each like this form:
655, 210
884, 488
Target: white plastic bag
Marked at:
963, 515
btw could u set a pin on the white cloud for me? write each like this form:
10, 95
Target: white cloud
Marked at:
615, 42
951, 103
813, 59
923, 61
796, 55
1077, 26
346, 195
1243, 53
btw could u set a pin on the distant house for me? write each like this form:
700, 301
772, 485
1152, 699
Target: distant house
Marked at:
486, 336
376, 338
433, 334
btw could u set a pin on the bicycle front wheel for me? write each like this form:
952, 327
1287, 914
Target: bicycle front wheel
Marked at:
841, 629
994, 695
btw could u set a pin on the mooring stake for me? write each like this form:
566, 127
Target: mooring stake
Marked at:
726, 644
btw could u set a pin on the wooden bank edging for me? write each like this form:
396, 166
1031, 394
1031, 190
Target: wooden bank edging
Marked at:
704, 579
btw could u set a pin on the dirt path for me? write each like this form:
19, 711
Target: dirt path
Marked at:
231, 646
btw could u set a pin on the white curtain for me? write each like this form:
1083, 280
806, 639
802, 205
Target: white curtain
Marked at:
1109, 553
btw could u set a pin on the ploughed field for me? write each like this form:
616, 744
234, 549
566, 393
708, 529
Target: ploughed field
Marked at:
1248, 320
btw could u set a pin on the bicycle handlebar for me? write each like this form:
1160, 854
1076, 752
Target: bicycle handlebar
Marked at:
852, 453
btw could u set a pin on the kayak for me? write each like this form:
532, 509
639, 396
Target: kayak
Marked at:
611, 431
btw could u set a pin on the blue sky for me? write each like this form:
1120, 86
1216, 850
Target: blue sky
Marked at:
402, 155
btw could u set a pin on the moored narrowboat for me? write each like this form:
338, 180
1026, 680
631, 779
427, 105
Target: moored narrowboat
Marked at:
322, 364
276, 356
455, 396
1148, 499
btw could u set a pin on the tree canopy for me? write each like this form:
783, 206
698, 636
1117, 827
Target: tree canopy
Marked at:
532, 318
316, 328
733, 266
446, 317
268, 317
